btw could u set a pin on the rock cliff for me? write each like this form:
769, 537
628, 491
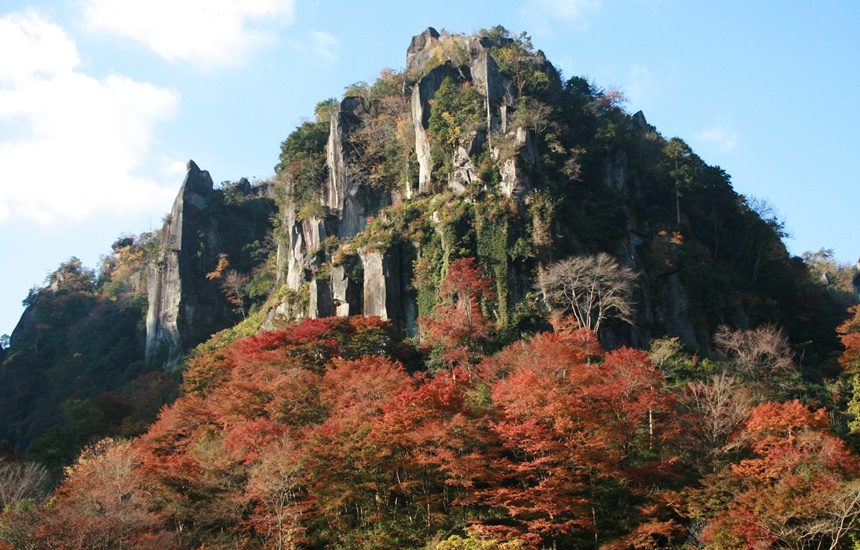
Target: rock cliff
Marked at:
386, 287
185, 306
477, 149
169, 307
495, 157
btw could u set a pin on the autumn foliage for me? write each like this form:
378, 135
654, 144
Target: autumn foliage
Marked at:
798, 488
458, 326
319, 436
849, 333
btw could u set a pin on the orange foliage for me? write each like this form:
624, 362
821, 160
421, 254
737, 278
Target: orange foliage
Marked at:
458, 325
567, 422
218, 272
849, 333
799, 484
104, 504
307, 436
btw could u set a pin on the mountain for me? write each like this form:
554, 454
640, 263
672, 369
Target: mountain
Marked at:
479, 149
376, 336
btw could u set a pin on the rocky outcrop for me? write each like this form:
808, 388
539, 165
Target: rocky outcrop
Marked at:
320, 303
495, 87
384, 287
515, 168
168, 314
420, 50
477, 67
422, 95
464, 173
349, 205
303, 241
185, 307
340, 193
343, 270
387, 286
346, 288
377, 294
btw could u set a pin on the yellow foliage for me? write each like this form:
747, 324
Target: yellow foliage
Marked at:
218, 272
477, 539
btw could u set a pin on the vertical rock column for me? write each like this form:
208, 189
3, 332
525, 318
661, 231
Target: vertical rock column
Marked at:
422, 93
168, 313
387, 291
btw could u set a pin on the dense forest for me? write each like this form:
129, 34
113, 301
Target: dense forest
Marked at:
479, 306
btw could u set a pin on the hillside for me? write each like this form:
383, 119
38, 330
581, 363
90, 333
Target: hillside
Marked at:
90, 357
385, 345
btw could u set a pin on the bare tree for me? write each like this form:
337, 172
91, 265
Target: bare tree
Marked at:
592, 288
275, 485
233, 286
663, 350
843, 513
762, 350
718, 407
20, 481
533, 114
105, 503
824, 526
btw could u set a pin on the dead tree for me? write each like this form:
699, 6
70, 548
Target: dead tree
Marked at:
592, 288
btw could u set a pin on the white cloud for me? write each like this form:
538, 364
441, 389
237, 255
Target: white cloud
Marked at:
73, 142
325, 46
564, 9
719, 136
48, 49
173, 169
207, 33
640, 86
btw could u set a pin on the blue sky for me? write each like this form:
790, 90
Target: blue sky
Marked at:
102, 101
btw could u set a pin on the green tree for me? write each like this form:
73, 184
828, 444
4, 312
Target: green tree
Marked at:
455, 111
681, 170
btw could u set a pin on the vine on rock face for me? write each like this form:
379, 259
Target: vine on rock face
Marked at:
456, 111
492, 229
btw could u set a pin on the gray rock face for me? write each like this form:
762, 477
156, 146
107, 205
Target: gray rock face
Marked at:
346, 293
320, 300
615, 170
184, 306
376, 293
495, 87
384, 287
339, 192
387, 289
464, 172
421, 49
422, 94
166, 311
480, 69
515, 170
281, 315
303, 240
349, 206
